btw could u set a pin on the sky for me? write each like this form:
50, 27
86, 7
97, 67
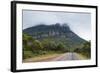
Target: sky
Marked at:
79, 23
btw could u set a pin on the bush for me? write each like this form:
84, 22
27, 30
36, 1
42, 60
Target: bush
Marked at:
61, 47
27, 41
36, 45
33, 47
85, 50
27, 54
48, 45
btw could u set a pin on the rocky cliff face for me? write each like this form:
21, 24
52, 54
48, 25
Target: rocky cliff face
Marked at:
58, 32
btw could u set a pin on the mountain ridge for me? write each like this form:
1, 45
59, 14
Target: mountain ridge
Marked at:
56, 32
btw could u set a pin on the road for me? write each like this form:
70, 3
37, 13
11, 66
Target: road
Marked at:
61, 57
68, 56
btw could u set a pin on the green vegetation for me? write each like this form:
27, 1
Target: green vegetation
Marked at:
56, 33
85, 50
33, 47
53, 39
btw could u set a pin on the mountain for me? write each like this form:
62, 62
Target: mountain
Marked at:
55, 32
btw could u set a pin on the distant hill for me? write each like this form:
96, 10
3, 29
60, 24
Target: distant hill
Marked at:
57, 33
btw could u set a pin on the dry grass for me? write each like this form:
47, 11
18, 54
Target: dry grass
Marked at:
41, 58
82, 57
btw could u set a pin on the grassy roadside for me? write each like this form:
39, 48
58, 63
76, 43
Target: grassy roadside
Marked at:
82, 57
40, 58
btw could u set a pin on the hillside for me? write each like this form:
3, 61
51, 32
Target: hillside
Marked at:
57, 33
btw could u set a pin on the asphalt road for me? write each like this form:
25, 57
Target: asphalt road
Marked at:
68, 56
61, 57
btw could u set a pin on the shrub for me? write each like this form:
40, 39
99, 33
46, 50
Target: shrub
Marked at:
61, 47
27, 54
85, 50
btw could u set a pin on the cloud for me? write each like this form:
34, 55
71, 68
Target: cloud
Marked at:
80, 23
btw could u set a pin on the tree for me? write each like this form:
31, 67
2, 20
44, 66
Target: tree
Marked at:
61, 47
27, 46
27, 41
85, 50
49, 45
36, 45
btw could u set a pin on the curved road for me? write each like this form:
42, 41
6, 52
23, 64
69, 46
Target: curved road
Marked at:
62, 57
67, 56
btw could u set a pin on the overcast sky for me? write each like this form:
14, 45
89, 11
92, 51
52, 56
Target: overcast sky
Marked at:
80, 23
